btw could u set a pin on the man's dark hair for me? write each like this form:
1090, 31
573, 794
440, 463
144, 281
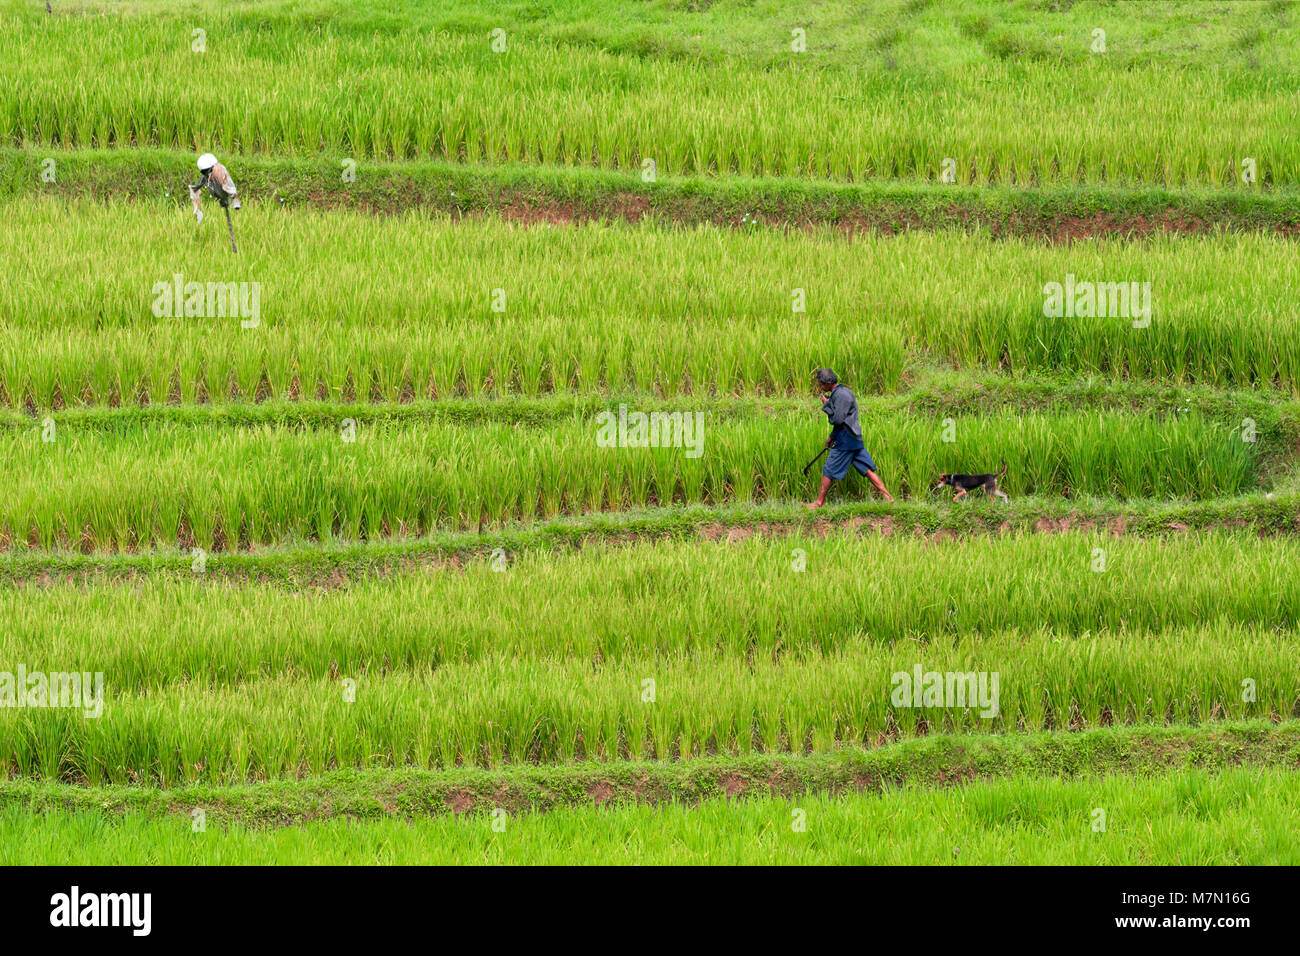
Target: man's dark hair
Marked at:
826, 376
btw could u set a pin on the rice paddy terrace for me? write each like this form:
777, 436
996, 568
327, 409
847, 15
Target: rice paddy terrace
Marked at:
471, 484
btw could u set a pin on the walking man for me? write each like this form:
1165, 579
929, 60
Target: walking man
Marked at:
845, 439
218, 183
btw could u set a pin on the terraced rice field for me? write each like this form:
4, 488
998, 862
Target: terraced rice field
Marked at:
579, 104
481, 685
499, 308
352, 541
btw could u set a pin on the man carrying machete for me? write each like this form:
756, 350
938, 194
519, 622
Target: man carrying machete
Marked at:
845, 439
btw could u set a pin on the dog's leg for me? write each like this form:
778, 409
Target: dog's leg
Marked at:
1002, 495
961, 493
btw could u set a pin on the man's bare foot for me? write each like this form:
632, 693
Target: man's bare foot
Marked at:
889, 498
814, 505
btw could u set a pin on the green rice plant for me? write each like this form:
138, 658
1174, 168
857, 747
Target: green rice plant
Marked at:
744, 656
1015, 122
342, 315
502, 709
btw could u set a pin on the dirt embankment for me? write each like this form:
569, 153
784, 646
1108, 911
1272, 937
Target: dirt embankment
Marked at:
550, 195
893, 218
937, 761
320, 566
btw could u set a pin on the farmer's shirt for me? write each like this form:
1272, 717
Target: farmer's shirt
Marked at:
841, 408
218, 183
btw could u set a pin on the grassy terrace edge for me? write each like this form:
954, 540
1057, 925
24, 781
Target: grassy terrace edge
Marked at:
292, 562
928, 387
553, 194
930, 762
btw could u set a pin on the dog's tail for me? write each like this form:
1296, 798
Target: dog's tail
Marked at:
1004, 468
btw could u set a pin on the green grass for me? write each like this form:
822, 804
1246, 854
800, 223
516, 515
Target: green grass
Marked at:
1240, 817
221, 488
428, 92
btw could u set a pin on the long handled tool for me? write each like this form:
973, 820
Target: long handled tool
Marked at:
814, 461
231, 226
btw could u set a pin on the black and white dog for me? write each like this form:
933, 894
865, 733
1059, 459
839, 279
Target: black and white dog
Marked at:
968, 483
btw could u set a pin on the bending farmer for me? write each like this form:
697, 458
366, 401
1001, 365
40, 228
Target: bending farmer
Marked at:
845, 439
218, 183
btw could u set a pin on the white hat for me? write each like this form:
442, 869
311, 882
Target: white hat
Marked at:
207, 161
